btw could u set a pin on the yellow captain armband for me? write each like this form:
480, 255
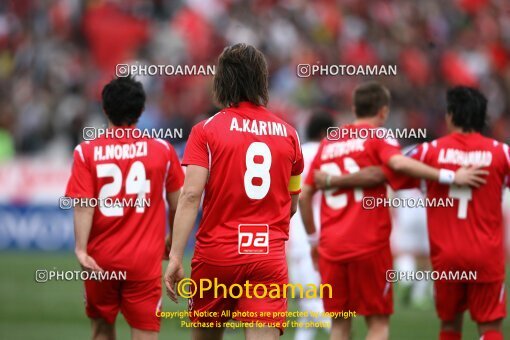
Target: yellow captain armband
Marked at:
295, 184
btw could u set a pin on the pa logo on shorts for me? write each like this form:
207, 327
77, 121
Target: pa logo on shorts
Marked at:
253, 239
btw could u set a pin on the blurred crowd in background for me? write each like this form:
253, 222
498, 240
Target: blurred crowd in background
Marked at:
56, 55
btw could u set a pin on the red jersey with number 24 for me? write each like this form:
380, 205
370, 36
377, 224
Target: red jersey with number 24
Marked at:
251, 155
469, 235
127, 238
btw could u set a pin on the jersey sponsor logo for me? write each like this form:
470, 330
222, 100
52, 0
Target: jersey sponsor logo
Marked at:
120, 151
465, 158
259, 128
253, 239
339, 149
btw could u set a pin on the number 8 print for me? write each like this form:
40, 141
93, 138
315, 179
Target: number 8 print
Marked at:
257, 170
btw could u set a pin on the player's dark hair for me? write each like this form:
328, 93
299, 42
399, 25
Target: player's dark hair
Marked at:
468, 108
241, 75
318, 124
123, 100
369, 98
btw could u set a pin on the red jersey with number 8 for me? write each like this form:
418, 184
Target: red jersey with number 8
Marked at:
127, 176
251, 155
467, 236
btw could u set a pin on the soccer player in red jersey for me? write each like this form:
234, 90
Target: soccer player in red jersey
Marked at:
249, 162
131, 238
468, 237
354, 251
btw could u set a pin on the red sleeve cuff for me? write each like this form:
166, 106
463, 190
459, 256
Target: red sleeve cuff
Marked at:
186, 162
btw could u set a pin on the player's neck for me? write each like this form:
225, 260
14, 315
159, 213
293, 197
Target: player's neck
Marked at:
374, 121
459, 130
113, 126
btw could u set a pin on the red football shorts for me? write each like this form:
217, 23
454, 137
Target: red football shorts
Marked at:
137, 300
359, 285
486, 301
248, 309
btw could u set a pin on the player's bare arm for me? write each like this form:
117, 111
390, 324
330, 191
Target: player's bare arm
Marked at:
172, 199
294, 204
83, 216
185, 216
373, 176
367, 177
306, 210
465, 176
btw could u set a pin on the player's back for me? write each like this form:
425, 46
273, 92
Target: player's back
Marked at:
349, 230
469, 234
131, 173
251, 157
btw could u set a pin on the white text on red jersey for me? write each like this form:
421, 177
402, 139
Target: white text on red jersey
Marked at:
120, 151
339, 149
259, 128
465, 158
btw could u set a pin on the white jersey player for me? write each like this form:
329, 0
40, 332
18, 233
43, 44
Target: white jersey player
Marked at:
410, 244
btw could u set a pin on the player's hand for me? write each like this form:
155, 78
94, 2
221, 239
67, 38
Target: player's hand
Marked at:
314, 253
320, 179
88, 263
471, 176
174, 273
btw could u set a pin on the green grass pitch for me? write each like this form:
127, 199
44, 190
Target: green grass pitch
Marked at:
54, 310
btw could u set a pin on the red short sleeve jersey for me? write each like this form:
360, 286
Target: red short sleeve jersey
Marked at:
348, 230
251, 155
469, 235
129, 238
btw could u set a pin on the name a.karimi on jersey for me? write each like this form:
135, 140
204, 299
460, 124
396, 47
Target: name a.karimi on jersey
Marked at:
259, 128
